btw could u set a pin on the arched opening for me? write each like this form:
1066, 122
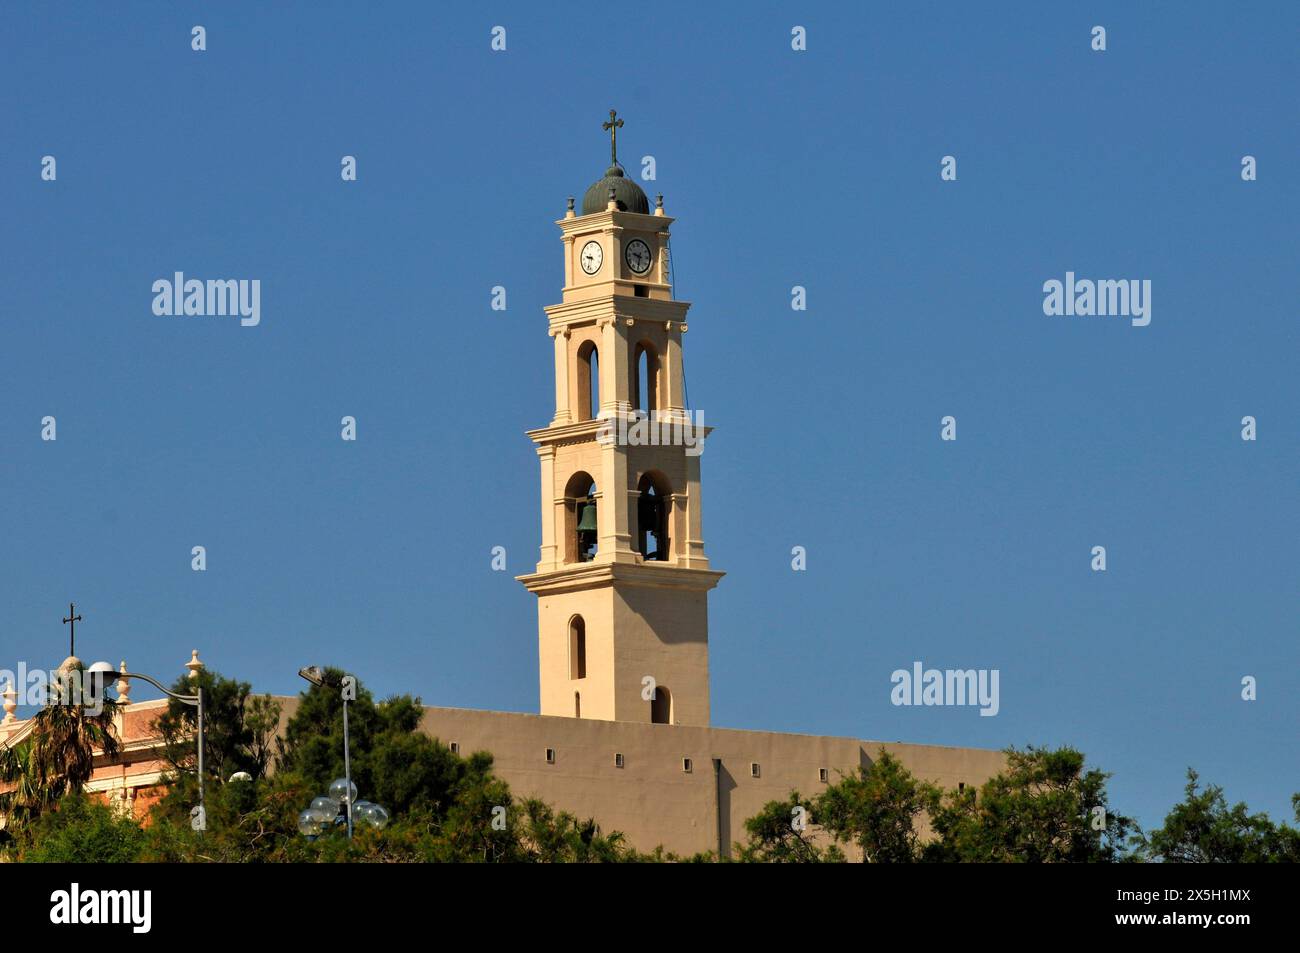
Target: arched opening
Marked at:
577, 648
645, 377
577, 705
652, 508
580, 524
661, 707
588, 381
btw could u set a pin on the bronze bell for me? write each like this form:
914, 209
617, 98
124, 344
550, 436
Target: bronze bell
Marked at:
588, 522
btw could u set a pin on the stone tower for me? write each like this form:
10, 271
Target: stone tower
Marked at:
622, 581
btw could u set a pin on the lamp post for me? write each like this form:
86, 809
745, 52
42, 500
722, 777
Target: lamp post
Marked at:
195, 701
316, 675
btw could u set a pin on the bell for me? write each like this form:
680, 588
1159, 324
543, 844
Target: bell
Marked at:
647, 511
588, 522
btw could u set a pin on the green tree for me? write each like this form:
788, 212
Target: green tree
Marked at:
879, 809
1203, 829
81, 829
444, 807
58, 757
238, 727
782, 833
1043, 808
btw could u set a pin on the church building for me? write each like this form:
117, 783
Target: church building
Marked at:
622, 582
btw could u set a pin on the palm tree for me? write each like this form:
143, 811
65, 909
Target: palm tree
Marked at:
58, 754
65, 740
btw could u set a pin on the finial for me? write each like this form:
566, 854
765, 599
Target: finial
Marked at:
611, 204
659, 204
194, 665
568, 213
612, 127
11, 703
123, 686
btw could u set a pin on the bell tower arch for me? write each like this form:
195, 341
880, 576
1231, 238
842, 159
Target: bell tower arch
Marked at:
622, 539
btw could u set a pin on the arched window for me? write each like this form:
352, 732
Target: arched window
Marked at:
577, 648
577, 705
645, 369
652, 508
661, 707
588, 381
580, 525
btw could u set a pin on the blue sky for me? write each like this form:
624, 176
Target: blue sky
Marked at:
818, 169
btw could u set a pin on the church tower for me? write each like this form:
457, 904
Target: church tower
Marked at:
622, 581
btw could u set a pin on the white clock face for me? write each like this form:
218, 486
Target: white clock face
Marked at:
638, 256
591, 257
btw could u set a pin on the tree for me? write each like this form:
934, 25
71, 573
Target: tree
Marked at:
443, 807
82, 829
879, 809
781, 833
58, 757
1203, 829
238, 727
1043, 808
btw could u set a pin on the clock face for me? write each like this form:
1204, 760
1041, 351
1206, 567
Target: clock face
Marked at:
638, 256
591, 257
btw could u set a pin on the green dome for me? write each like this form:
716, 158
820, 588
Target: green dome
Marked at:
627, 194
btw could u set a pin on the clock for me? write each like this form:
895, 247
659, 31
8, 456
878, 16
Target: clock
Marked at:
591, 257
638, 256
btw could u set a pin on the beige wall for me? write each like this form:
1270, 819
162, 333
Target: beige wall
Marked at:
652, 799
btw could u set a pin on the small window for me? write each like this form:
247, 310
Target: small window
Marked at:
961, 785
618, 760
550, 756
686, 765
577, 648
455, 747
753, 769
823, 775
641, 291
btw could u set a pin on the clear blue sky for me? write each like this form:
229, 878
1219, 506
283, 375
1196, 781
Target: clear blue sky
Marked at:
818, 169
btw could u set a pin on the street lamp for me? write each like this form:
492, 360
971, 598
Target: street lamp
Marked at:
195, 701
318, 677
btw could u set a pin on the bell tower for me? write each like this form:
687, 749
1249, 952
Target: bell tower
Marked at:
622, 581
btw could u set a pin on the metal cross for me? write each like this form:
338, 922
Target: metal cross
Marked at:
613, 126
72, 621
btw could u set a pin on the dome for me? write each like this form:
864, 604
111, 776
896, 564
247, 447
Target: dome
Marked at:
627, 194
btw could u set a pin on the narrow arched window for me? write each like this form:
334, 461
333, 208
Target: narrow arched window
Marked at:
577, 705
645, 392
588, 381
652, 508
580, 524
577, 648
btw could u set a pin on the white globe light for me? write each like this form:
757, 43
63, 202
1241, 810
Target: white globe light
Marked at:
324, 806
376, 816
308, 824
342, 791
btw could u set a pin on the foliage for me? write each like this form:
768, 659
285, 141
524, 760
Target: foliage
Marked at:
81, 829
238, 727
444, 807
878, 809
1044, 808
775, 838
1203, 829
58, 757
